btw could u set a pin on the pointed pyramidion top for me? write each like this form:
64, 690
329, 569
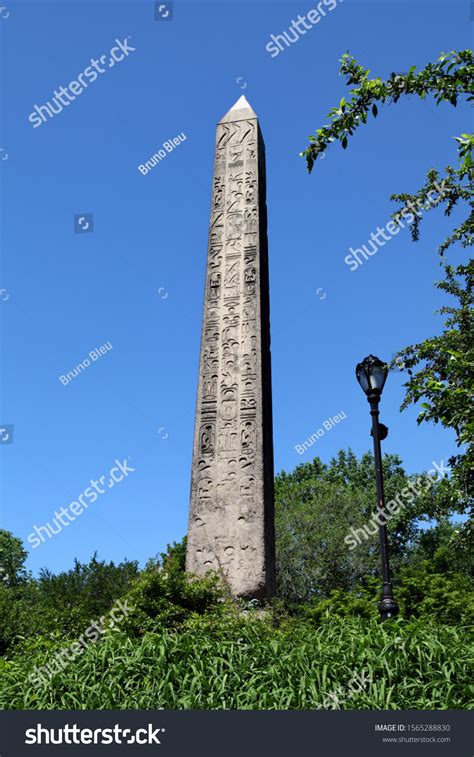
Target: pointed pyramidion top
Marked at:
239, 111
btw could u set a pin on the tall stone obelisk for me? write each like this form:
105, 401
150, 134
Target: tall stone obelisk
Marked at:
231, 523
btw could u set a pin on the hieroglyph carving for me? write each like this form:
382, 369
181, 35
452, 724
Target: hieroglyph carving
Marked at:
231, 509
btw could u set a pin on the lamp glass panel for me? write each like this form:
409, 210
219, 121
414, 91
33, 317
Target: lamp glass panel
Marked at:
363, 378
378, 375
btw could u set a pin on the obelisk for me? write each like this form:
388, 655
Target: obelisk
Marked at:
231, 521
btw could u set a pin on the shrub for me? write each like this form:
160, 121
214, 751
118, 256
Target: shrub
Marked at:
449, 598
167, 598
236, 662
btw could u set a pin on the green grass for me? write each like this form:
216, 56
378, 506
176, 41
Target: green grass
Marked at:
235, 663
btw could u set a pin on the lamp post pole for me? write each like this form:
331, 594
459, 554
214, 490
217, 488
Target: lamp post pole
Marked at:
371, 374
387, 606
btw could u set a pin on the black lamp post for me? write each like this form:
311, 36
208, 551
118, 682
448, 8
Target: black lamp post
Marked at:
371, 374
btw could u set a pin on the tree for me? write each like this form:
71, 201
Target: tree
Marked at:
440, 548
317, 509
444, 378
446, 80
12, 559
61, 604
88, 590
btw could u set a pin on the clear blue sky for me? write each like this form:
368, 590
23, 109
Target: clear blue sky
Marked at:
72, 292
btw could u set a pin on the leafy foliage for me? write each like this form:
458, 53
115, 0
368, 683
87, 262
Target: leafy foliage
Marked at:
185, 643
62, 604
317, 505
448, 598
421, 593
166, 598
12, 559
446, 547
446, 80
445, 376
247, 663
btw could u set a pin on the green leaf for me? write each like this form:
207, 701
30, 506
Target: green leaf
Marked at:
344, 142
374, 110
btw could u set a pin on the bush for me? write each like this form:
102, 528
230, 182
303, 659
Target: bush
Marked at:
343, 604
167, 598
237, 662
445, 598
449, 598
62, 604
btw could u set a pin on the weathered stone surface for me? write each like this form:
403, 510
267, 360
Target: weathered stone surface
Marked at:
231, 525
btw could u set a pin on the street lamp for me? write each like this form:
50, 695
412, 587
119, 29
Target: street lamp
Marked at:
371, 374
